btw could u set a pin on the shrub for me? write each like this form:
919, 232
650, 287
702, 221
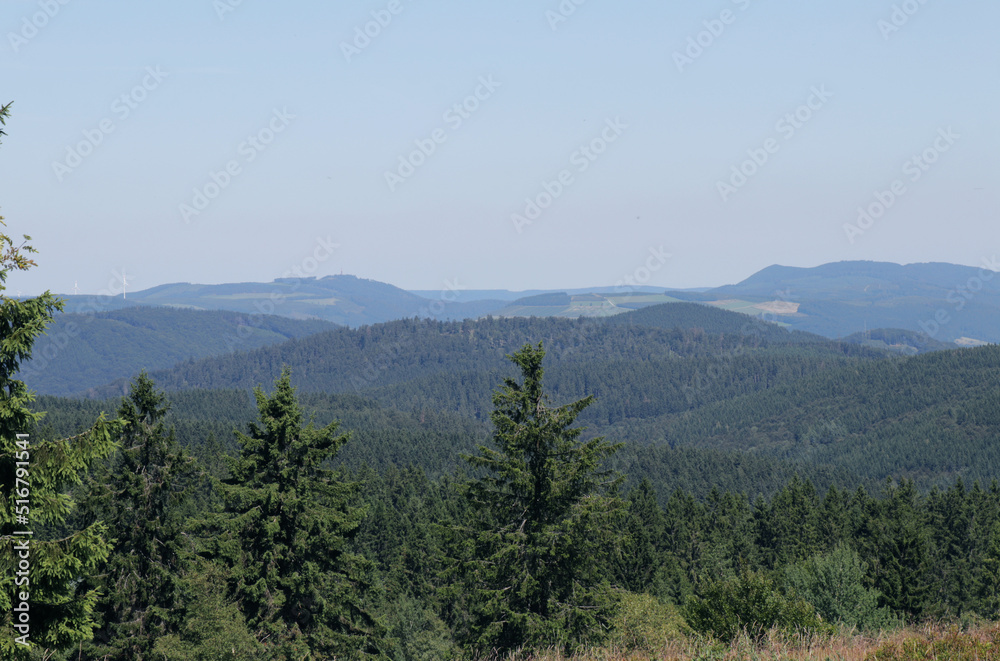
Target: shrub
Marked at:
834, 584
750, 603
644, 623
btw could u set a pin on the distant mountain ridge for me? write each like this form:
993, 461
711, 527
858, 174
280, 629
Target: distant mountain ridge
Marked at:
958, 305
946, 302
345, 300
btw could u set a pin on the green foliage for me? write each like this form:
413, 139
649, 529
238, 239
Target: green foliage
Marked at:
140, 495
832, 412
645, 624
543, 514
284, 535
834, 583
414, 632
751, 603
213, 627
60, 606
4, 114
894, 541
990, 582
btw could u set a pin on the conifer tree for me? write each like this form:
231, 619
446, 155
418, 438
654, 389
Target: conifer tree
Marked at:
545, 506
50, 606
140, 495
642, 532
284, 535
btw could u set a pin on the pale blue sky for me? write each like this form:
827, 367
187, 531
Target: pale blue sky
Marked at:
656, 185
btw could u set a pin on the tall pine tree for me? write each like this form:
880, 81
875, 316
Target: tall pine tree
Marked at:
284, 535
545, 506
140, 494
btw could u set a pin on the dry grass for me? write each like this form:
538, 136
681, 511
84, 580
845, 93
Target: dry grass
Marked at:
925, 642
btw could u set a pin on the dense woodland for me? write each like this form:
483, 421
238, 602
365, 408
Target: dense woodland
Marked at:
201, 564
433, 499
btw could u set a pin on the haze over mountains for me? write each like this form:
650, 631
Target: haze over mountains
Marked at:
908, 309
945, 302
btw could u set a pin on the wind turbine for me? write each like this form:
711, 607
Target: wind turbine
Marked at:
124, 283
76, 289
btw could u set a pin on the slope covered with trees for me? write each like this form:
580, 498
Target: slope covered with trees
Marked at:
528, 545
85, 350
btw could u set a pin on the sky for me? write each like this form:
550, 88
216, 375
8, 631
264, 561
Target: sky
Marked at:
442, 144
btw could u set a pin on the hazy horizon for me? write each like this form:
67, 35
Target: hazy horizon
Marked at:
113, 287
516, 146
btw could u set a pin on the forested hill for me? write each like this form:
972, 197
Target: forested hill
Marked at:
948, 302
86, 350
343, 299
677, 375
931, 418
401, 351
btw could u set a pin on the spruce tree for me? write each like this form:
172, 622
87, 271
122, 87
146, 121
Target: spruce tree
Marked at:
284, 536
545, 505
48, 602
140, 494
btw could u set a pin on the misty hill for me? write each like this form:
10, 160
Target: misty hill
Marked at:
506, 295
896, 339
958, 305
346, 359
342, 299
712, 381
81, 351
946, 302
572, 306
863, 280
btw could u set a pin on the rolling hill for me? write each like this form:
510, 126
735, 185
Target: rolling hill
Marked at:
342, 299
945, 302
957, 305
81, 351
668, 377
